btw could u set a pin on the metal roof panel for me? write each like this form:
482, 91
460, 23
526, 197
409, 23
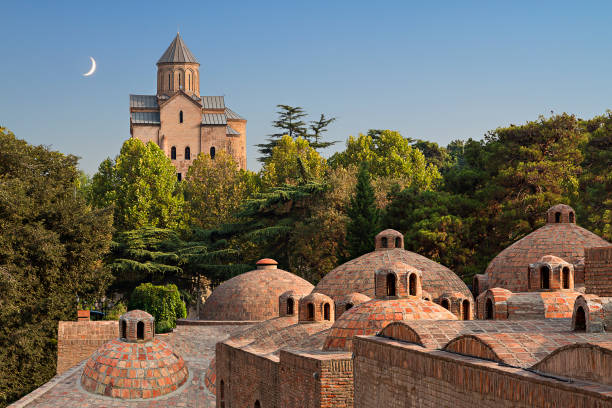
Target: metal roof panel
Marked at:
214, 119
145, 118
143, 101
232, 115
177, 52
213, 102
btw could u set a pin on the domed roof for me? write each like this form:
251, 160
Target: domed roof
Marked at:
370, 317
253, 295
563, 239
357, 275
127, 370
551, 259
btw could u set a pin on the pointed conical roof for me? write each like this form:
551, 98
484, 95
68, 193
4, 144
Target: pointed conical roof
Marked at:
177, 52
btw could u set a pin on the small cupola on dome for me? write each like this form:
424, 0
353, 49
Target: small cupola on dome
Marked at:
389, 239
266, 263
288, 303
561, 214
136, 326
550, 273
398, 280
316, 307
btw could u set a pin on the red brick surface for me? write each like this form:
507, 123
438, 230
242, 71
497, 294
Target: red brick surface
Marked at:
598, 271
76, 341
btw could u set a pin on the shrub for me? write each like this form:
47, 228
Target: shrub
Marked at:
162, 302
116, 311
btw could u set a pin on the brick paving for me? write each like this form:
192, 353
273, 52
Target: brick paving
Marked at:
196, 344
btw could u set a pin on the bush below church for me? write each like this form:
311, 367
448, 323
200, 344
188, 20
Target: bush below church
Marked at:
162, 302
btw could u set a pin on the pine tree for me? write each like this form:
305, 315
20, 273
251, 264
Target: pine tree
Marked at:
318, 127
290, 123
364, 216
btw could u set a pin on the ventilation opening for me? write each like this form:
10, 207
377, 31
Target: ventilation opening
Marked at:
326, 311
412, 285
391, 284
140, 330
557, 217
384, 242
181, 117
257, 404
289, 307
466, 309
398, 242
187, 153
212, 152
348, 306
310, 311
580, 322
123, 329
173, 153
222, 394
544, 277
572, 217
445, 304
566, 278
489, 310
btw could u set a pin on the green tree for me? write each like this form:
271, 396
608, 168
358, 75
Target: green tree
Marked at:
289, 123
292, 161
214, 189
162, 302
364, 216
51, 243
143, 186
389, 155
317, 128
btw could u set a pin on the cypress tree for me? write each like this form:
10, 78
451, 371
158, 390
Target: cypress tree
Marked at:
364, 216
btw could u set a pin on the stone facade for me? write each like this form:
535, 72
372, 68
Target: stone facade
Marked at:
76, 341
182, 122
598, 271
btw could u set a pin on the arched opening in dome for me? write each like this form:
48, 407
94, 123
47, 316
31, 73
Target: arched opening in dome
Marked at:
398, 242
222, 394
445, 303
326, 311
412, 284
465, 306
140, 331
173, 153
580, 321
310, 308
257, 404
572, 217
489, 310
391, 283
122, 329
557, 217
565, 277
544, 277
383, 242
289, 307
348, 306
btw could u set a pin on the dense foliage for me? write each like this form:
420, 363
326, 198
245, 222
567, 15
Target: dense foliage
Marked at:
364, 216
162, 302
51, 244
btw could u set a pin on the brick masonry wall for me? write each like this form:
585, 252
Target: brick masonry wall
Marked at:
247, 378
76, 341
315, 380
598, 271
393, 375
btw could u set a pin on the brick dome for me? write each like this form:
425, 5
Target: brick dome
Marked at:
253, 295
358, 275
563, 239
132, 367
370, 317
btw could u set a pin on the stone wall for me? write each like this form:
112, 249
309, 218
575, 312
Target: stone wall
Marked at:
598, 271
391, 374
313, 379
76, 341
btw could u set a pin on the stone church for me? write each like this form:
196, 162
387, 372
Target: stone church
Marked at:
182, 122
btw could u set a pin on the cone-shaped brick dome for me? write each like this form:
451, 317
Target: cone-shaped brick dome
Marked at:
253, 295
370, 317
563, 239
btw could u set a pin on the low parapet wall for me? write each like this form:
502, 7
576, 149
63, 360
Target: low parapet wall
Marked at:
76, 341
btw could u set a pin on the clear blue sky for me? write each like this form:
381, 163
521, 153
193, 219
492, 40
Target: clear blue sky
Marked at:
433, 70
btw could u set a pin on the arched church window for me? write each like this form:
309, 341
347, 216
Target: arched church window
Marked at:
188, 81
181, 117
187, 153
212, 152
173, 153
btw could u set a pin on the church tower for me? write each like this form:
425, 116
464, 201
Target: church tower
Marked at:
182, 122
177, 69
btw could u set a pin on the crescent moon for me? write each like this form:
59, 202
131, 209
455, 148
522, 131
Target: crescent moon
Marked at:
93, 67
